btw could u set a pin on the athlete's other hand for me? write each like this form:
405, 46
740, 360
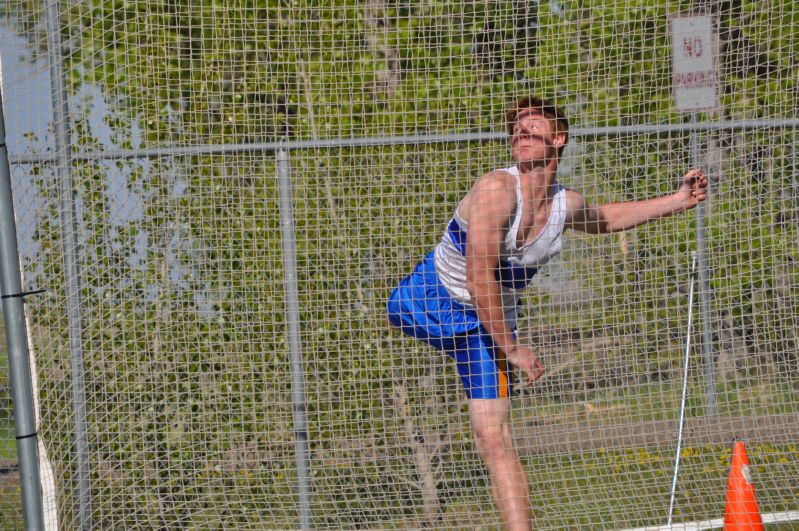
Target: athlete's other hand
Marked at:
527, 360
693, 188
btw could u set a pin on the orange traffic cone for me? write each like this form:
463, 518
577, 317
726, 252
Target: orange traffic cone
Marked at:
741, 512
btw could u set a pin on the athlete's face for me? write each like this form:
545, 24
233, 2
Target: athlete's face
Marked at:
534, 137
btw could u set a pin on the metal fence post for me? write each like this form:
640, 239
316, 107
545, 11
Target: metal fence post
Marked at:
18, 351
69, 236
293, 330
704, 284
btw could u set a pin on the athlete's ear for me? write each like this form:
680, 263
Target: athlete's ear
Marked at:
560, 140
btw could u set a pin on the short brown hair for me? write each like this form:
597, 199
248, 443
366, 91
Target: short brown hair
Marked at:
548, 109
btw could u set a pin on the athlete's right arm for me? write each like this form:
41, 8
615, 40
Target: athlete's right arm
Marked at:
491, 204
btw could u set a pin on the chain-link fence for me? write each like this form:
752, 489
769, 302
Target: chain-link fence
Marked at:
219, 197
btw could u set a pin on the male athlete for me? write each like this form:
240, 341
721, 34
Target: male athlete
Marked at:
462, 298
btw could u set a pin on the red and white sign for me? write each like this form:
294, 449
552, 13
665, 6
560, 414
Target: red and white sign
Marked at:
693, 48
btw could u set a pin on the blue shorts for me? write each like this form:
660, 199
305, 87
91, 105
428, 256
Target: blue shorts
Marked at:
422, 308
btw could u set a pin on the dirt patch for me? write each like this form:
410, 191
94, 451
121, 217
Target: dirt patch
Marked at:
586, 435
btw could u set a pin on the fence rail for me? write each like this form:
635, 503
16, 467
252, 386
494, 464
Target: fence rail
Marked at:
340, 143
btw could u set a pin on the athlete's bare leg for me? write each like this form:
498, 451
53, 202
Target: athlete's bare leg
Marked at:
509, 484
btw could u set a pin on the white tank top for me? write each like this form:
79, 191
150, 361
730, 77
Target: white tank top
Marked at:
517, 265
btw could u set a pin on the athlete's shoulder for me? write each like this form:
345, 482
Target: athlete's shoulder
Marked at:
496, 183
492, 195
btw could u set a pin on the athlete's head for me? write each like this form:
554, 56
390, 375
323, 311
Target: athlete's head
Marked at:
534, 122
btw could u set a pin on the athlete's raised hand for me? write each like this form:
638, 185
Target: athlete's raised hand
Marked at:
693, 188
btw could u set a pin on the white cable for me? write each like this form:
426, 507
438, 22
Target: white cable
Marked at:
684, 384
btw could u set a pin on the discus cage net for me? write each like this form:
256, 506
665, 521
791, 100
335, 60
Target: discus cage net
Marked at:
382, 114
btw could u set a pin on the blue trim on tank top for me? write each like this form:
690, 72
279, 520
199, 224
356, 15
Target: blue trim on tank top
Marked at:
514, 276
509, 275
457, 235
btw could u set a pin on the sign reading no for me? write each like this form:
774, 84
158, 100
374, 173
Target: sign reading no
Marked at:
693, 49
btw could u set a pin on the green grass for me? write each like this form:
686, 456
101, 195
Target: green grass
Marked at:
597, 487
10, 497
600, 488
605, 489
8, 444
8, 447
10, 501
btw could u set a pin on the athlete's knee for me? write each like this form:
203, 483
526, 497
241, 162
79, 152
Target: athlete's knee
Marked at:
489, 441
493, 440
491, 426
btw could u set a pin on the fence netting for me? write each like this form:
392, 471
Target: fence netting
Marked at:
175, 109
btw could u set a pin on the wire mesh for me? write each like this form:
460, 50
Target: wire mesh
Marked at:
185, 356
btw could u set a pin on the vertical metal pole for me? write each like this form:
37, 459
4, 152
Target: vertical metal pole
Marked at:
69, 236
704, 284
293, 328
18, 353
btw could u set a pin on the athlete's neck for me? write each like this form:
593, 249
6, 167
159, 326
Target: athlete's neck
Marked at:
538, 177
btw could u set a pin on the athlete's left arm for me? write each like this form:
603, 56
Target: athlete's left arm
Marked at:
614, 217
